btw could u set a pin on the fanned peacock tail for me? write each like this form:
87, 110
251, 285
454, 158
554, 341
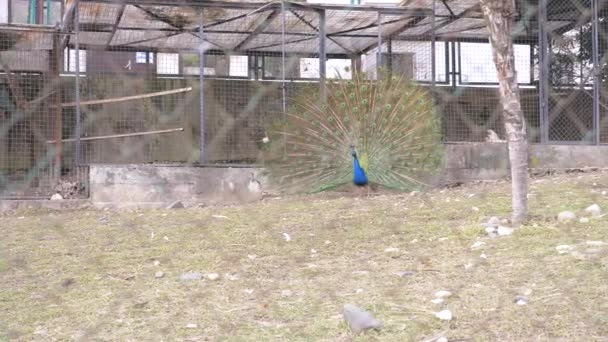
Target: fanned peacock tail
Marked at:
391, 123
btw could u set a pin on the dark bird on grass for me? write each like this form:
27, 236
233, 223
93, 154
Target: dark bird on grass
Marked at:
368, 132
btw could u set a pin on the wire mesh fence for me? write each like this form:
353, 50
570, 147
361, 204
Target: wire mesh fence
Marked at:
123, 82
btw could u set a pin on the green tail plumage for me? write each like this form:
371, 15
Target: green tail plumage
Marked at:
391, 122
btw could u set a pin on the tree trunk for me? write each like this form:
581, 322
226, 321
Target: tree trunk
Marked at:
499, 19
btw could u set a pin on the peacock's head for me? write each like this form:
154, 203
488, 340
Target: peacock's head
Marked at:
353, 152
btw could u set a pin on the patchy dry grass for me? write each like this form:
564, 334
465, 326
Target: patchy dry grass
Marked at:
72, 276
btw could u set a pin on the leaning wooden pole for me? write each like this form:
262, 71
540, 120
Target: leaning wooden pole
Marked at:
499, 16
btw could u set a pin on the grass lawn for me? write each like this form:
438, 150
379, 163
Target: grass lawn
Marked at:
90, 275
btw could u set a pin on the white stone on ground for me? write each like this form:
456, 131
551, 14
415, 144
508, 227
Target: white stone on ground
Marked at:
566, 216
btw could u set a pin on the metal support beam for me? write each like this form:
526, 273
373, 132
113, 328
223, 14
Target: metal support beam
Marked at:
55, 61
259, 29
433, 47
543, 83
322, 55
596, 70
121, 12
379, 56
66, 22
201, 81
78, 131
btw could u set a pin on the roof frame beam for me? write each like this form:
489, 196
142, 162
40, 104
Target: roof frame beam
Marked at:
259, 29
121, 12
302, 19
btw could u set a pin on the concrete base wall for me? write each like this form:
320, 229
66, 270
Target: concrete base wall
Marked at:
490, 161
156, 186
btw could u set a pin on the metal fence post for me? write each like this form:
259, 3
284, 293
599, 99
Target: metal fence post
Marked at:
596, 70
201, 81
78, 133
543, 82
322, 56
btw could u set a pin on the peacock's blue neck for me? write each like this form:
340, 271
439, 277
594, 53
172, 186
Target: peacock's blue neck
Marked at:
360, 177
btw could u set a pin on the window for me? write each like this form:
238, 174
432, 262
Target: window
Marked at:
141, 57
239, 66
4, 11
69, 60
167, 64
477, 63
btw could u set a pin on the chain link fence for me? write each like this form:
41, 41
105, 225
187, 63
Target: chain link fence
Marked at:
122, 82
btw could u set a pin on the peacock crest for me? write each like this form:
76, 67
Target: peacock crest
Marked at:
390, 125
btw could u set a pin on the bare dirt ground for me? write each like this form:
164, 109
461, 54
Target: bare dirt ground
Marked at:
282, 269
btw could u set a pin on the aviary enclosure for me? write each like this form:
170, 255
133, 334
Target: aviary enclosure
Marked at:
196, 82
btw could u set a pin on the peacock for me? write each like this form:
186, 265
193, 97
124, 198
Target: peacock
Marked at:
359, 176
367, 132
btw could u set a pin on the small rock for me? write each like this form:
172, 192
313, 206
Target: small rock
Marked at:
405, 273
156, 262
442, 339
492, 222
159, 274
192, 276
477, 245
359, 320
251, 256
56, 197
594, 210
443, 294
444, 315
468, 266
213, 276
474, 208
359, 291
584, 220
483, 256
595, 243
287, 237
521, 300
566, 216
360, 272
176, 205
437, 300
220, 217
562, 249
504, 231
391, 250
286, 293
327, 242
414, 241
41, 331
248, 291
191, 326
231, 276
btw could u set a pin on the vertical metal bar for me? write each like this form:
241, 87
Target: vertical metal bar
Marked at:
201, 84
596, 70
55, 69
78, 133
283, 84
40, 12
433, 46
379, 56
454, 66
389, 56
10, 11
322, 55
543, 83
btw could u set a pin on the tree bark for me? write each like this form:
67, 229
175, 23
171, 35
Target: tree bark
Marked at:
499, 16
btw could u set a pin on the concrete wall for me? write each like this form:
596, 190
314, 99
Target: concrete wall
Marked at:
489, 161
156, 186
